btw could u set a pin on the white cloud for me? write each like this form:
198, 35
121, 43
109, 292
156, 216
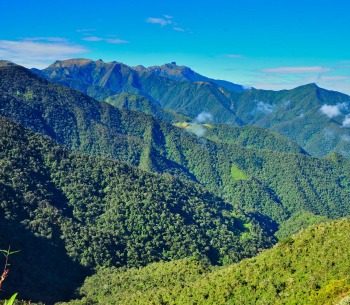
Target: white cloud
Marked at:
47, 39
330, 111
286, 103
38, 53
161, 21
297, 70
265, 107
179, 29
117, 41
333, 78
167, 20
204, 117
196, 126
345, 138
346, 122
109, 40
285, 81
92, 38
198, 130
85, 30
334, 110
234, 55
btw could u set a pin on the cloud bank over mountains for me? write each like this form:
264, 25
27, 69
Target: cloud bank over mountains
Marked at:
196, 127
333, 111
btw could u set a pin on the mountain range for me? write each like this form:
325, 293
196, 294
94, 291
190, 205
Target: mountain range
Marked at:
86, 125
315, 118
105, 165
186, 74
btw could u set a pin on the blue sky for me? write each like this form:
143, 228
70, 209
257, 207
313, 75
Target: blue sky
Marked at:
266, 44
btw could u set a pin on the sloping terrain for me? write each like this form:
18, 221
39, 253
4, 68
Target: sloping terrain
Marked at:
70, 213
186, 74
141, 104
247, 136
317, 119
264, 181
311, 116
79, 209
311, 268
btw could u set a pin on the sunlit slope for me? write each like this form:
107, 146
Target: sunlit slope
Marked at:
311, 268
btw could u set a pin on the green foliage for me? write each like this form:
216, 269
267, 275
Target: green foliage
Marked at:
11, 300
5, 272
142, 286
294, 113
91, 211
252, 137
142, 104
312, 268
281, 183
7, 252
238, 174
299, 220
334, 290
66, 210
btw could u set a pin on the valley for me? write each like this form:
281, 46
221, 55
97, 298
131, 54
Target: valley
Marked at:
158, 185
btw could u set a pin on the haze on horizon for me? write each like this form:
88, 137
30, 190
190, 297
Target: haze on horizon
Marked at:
264, 44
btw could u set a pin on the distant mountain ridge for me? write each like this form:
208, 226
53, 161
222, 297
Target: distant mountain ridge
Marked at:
130, 188
118, 76
95, 78
216, 192
317, 119
311, 116
275, 182
6, 63
183, 73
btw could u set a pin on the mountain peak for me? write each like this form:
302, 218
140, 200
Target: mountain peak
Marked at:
140, 68
70, 62
169, 70
81, 63
312, 85
185, 74
7, 63
171, 64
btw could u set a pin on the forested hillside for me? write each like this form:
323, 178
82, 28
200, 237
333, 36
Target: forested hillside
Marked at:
140, 103
304, 114
70, 213
311, 268
272, 183
313, 117
131, 189
246, 136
